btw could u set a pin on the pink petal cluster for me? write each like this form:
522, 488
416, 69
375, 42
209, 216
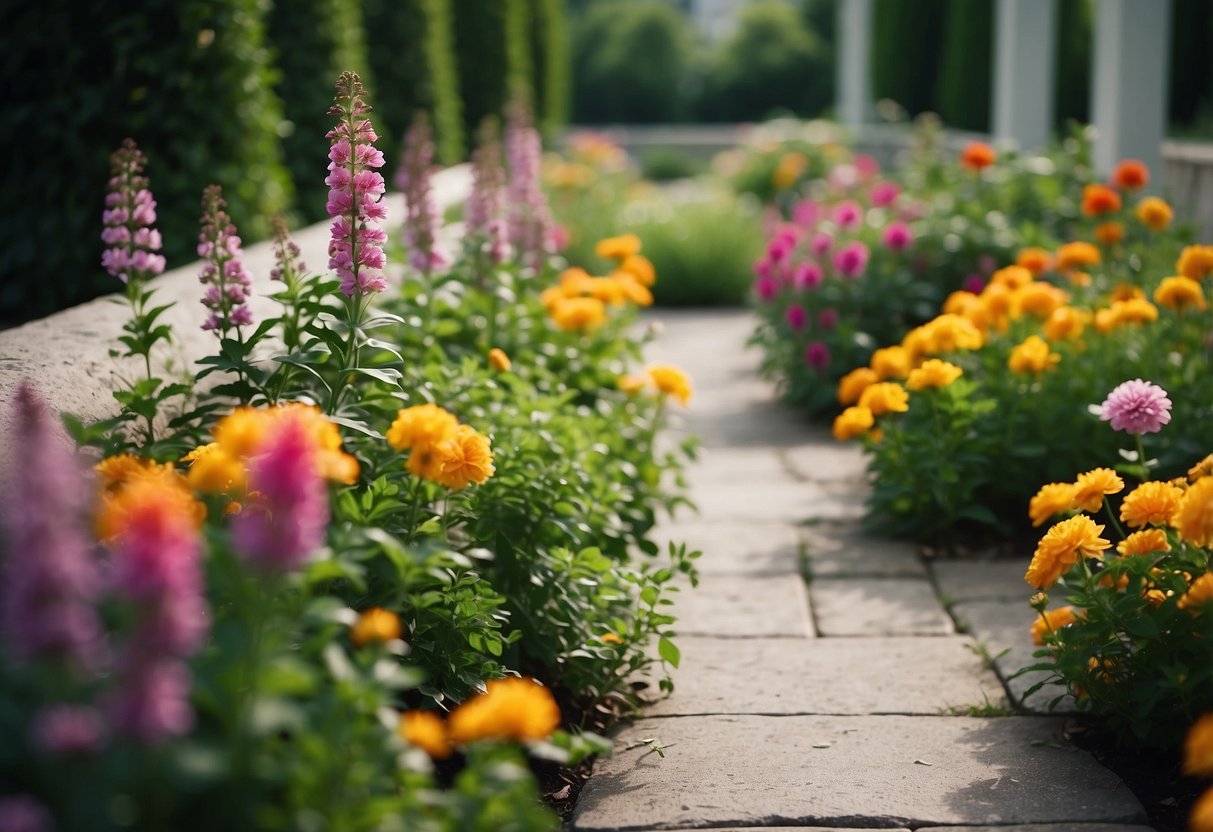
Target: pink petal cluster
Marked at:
897, 236
851, 259
129, 217
413, 178
817, 355
48, 580
884, 194
529, 223
482, 213
223, 273
1137, 407
287, 266
67, 730
355, 191
287, 520
797, 317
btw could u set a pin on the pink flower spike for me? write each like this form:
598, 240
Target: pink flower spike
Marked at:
1136, 407
355, 198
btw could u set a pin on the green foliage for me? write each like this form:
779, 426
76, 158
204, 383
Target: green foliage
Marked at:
550, 60
962, 89
1073, 55
314, 41
630, 60
660, 164
771, 64
906, 48
191, 82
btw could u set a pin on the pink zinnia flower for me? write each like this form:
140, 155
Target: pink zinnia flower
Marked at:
866, 165
827, 318
762, 267
766, 287
779, 248
817, 355
229, 284
421, 215
806, 213
821, 243
1137, 407
852, 259
130, 211
848, 214
897, 236
974, 283
884, 193
797, 317
355, 191
807, 276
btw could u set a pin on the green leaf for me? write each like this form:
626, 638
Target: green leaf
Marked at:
669, 651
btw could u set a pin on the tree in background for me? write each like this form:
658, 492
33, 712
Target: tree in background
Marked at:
550, 63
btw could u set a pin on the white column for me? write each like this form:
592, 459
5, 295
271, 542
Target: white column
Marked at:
1129, 97
853, 62
1025, 40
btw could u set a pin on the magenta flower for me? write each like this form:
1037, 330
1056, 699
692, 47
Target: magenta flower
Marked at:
67, 730
22, 813
806, 213
780, 248
355, 189
766, 287
974, 283
1136, 407
223, 273
130, 213
820, 244
153, 703
287, 520
483, 204
827, 318
797, 317
528, 219
807, 276
851, 259
762, 267
848, 214
817, 355
48, 580
866, 165
288, 267
897, 236
884, 194
421, 215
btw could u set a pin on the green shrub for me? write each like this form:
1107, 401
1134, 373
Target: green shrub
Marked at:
550, 63
665, 163
493, 54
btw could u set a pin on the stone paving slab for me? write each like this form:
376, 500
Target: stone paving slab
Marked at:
759, 501
743, 606
865, 771
732, 467
737, 548
824, 459
843, 550
982, 580
877, 607
1044, 827
1004, 626
829, 676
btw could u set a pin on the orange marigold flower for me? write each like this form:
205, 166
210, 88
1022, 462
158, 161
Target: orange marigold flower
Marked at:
214, 471
977, 155
1154, 213
890, 362
1040, 299
1180, 293
948, 333
1198, 748
1013, 277
1133, 311
1098, 200
606, 289
512, 709
618, 248
1050, 621
1032, 356
114, 472
242, 431
960, 303
1061, 547
1199, 594
1035, 260
640, 267
1150, 504
631, 383
427, 731
1091, 487
1051, 500
672, 381
1204, 468
1193, 518
375, 625
1066, 323
163, 498
790, 168
465, 457
610, 638
885, 397
1077, 255
1195, 261
1144, 542
852, 385
934, 373
1109, 233
633, 289
1130, 175
852, 422
1200, 818
498, 360
422, 424
578, 313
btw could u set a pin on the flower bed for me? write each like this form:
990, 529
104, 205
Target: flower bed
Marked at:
382, 554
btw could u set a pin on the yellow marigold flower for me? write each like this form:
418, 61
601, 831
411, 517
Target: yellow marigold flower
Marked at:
1150, 504
948, 333
1134, 311
427, 731
610, 638
1104, 320
639, 267
164, 494
1061, 547
1013, 277
961, 303
852, 385
1035, 260
1125, 291
890, 362
421, 424
1065, 323
1077, 278
917, 342
1200, 817
672, 381
1199, 594
375, 625
214, 471
1051, 500
116, 471
1154, 213
1195, 261
1032, 356
997, 304
1040, 299
578, 313
464, 457
1194, 517
498, 360
790, 168
852, 422
631, 383
1204, 468
1077, 255
606, 289
1090, 488
1144, 542
618, 248
551, 296
1198, 748
1050, 621
885, 397
934, 373
1109, 233
1180, 293
633, 289
510, 709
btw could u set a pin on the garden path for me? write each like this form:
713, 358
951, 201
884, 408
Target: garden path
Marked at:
847, 700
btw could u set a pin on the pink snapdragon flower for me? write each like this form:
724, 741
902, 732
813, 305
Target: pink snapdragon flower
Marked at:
897, 236
287, 266
482, 213
421, 215
223, 273
130, 213
1136, 407
528, 219
851, 259
355, 191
